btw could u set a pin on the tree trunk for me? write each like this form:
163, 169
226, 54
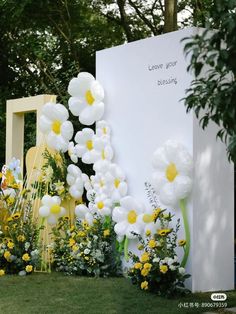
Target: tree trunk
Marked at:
170, 17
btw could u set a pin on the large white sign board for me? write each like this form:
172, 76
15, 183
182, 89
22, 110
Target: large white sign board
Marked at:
144, 82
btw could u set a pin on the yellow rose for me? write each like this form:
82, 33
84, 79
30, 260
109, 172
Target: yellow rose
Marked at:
147, 266
2, 272
138, 265
6, 255
26, 257
145, 257
71, 242
144, 272
144, 285
29, 268
163, 269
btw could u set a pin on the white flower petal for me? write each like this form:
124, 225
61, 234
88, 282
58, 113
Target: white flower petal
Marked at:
183, 186
97, 90
67, 130
76, 105
44, 211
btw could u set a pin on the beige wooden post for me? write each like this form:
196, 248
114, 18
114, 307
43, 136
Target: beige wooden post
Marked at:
16, 108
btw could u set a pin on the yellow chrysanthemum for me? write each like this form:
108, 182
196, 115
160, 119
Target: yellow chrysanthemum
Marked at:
16, 216
10, 245
148, 232
29, 268
152, 243
106, 233
71, 242
21, 238
164, 232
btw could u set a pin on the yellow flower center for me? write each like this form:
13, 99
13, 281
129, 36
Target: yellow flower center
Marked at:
56, 127
104, 130
132, 216
100, 205
55, 209
101, 183
89, 98
89, 144
171, 172
116, 183
147, 218
103, 154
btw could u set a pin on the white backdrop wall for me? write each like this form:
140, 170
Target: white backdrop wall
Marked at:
144, 82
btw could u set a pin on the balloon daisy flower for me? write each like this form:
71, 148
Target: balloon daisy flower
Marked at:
75, 181
88, 146
126, 217
53, 123
103, 129
51, 209
115, 179
102, 205
172, 176
87, 98
83, 213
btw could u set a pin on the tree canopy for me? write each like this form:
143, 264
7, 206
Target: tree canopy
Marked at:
44, 43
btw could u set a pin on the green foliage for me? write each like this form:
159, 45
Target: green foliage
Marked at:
212, 97
86, 249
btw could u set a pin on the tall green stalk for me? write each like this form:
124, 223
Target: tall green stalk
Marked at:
182, 204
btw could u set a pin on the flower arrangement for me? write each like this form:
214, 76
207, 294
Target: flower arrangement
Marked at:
19, 252
85, 249
157, 268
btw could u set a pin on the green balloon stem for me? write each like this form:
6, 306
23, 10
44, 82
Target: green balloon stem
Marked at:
182, 205
126, 245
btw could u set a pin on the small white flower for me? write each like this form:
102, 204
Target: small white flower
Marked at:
182, 270
126, 216
86, 251
51, 208
53, 123
99, 184
75, 181
172, 267
172, 175
156, 260
88, 146
86, 101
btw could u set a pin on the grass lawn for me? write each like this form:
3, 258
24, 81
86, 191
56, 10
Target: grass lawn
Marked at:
55, 293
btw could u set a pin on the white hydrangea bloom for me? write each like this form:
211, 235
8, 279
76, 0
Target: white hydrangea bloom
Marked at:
172, 176
87, 98
54, 125
75, 181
